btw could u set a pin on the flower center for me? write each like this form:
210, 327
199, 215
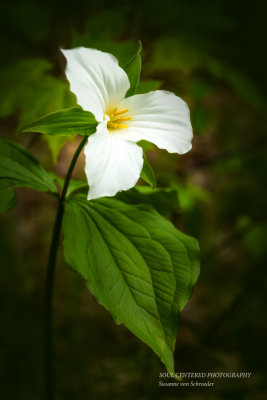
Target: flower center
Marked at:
117, 120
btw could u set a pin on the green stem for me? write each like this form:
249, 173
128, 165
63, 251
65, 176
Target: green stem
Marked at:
49, 283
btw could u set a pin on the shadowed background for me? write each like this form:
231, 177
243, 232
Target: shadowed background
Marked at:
212, 55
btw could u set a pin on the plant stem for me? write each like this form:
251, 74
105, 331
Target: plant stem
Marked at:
71, 167
48, 343
49, 283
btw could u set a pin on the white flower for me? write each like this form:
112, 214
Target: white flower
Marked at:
114, 161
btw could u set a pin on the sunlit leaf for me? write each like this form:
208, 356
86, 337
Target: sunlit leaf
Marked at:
136, 264
67, 122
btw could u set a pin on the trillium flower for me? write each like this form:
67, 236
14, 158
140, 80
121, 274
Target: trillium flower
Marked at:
114, 160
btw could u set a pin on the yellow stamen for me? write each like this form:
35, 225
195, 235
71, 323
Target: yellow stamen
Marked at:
115, 112
122, 119
116, 119
114, 125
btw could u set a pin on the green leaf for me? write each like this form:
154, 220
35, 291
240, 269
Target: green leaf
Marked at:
165, 201
136, 264
148, 86
8, 199
146, 146
67, 122
75, 187
133, 68
147, 173
19, 168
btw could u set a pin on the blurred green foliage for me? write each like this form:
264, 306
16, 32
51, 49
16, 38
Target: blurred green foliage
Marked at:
211, 54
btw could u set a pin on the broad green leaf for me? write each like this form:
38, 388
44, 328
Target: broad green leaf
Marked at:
136, 264
19, 168
67, 122
147, 173
165, 201
133, 68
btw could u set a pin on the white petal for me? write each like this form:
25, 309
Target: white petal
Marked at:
96, 79
159, 117
112, 164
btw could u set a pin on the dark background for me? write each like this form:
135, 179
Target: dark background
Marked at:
213, 54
